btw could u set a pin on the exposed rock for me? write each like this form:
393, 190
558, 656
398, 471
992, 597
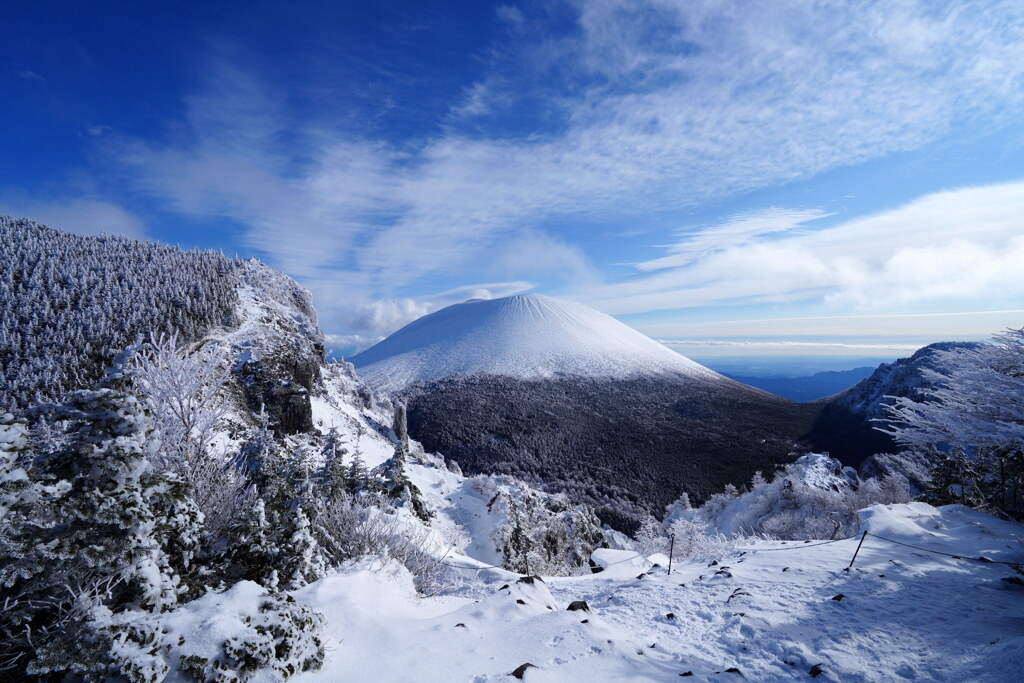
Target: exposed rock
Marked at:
520, 670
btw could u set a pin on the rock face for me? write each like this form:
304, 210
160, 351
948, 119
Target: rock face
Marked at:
280, 348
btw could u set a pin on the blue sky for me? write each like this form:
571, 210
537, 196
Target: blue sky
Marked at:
734, 178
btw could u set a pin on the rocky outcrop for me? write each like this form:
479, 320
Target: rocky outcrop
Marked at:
278, 345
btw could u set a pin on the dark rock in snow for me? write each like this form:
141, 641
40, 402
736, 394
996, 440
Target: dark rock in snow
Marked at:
839, 597
520, 670
670, 616
815, 671
577, 605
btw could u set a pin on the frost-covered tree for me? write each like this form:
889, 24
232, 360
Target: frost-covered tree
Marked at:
252, 552
263, 463
304, 560
15, 486
333, 476
187, 390
974, 415
118, 536
542, 533
64, 310
651, 537
187, 393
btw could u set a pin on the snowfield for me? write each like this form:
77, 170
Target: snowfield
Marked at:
772, 611
527, 336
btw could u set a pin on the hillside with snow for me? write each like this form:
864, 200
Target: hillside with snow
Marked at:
526, 336
846, 425
573, 400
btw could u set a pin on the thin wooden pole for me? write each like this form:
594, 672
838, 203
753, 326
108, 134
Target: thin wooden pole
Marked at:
671, 548
862, 537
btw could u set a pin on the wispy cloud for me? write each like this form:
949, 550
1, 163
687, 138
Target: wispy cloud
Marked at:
31, 76
737, 231
655, 105
82, 216
963, 245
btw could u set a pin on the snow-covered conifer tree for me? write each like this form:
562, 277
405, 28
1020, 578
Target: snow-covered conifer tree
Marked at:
304, 560
252, 553
102, 545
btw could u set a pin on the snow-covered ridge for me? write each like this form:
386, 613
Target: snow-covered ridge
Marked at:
528, 336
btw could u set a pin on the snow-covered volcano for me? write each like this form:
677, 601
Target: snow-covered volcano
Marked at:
528, 336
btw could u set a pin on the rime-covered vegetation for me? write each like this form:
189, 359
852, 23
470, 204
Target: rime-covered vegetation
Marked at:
69, 302
189, 477
847, 424
970, 419
814, 497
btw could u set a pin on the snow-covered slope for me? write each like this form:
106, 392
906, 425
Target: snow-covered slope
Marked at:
774, 611
526, 336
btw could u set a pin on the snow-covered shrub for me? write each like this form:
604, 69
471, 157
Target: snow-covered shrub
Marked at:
239, 634
697, 540
813, 498
651, 538
542, 533
281, 638
351, 527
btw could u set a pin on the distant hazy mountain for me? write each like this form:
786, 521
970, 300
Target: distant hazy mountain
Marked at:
560, 393
809, 387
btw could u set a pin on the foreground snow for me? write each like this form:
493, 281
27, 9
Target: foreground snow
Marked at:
772, 612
